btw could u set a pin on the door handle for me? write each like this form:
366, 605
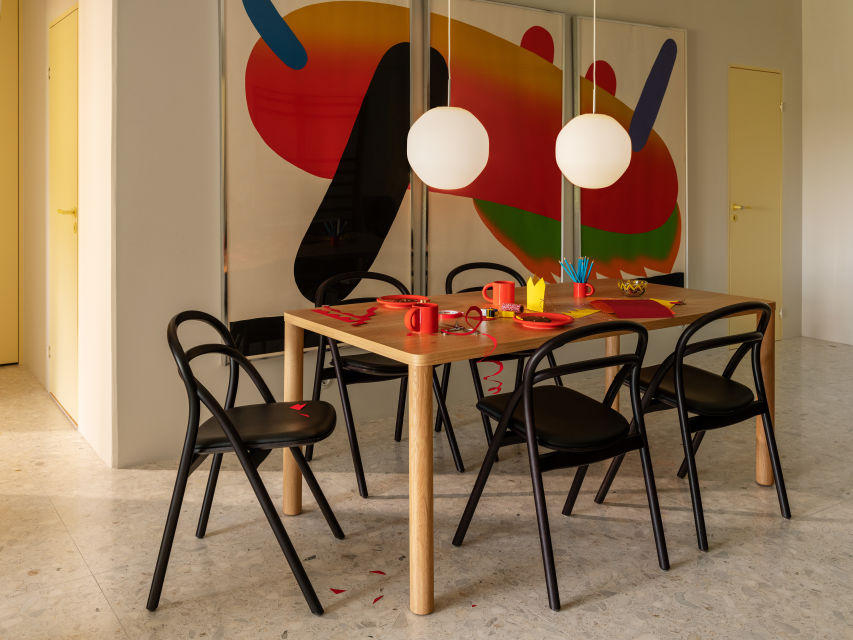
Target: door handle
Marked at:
69, 212
740, 207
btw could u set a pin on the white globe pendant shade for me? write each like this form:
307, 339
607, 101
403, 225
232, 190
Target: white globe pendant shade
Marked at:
593, 150
447, 147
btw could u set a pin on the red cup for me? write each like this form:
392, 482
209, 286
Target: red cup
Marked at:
422, 318
583, 289
503, 292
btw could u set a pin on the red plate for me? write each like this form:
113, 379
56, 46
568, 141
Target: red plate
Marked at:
400, 301
543, 320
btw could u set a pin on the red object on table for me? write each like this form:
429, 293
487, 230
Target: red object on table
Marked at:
632, 308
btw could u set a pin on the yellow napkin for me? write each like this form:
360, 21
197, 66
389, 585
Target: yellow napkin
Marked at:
580, 313
669, 304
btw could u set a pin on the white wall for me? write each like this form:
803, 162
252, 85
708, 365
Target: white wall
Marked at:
96, 417
168, 241
167, 181
827, 167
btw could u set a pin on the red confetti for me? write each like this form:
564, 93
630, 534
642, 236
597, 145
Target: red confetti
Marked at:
297, 407
336, 591
377, 599
304, 414
473, 605
381, 573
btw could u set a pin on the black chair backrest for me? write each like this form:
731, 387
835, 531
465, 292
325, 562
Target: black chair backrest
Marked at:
627, 363
335, 289
196, 391
749, 341
471, 266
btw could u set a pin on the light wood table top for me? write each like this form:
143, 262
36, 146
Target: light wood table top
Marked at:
386, 334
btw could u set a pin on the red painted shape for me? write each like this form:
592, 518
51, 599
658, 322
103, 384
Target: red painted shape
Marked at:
336, 591
605, 77
377, 599
539, 41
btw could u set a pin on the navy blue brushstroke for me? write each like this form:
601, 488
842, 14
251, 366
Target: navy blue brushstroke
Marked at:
276, 33
646, 111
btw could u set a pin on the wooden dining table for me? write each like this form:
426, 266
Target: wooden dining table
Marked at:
384, 333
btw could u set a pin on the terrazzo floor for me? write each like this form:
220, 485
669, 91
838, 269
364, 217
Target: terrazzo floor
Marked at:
78, 541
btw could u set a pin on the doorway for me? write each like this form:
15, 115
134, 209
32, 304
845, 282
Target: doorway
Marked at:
62, 212
755, 189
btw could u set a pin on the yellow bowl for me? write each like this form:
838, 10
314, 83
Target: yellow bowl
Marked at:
632, 288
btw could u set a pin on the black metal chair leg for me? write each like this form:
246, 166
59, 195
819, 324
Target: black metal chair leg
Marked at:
544, 527
519, 371
280, 533
309, 452
171, 523
445, 383
612, 470
451, 437
215, 464
350, 425
776, 464
401, 409
575, 489
553, 363
697, 440
693, 480
317, 492
478, 389
479, 485
654, 508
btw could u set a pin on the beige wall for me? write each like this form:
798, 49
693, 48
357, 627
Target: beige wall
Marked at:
827, 167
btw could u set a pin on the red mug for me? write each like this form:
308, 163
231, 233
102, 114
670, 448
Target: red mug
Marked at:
583, 289
422, 318
503, 292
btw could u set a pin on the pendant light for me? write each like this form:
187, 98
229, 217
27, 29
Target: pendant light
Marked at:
593, 150
448, 147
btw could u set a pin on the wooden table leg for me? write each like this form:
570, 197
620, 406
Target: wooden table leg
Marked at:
421, 561
763, 470
611, 348
294, 341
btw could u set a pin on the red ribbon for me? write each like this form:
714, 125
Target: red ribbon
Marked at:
474, 318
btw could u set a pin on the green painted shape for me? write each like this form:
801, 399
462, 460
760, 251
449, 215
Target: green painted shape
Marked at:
535, 235
607, 245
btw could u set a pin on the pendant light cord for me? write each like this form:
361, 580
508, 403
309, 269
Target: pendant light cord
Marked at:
594, 65
448, 53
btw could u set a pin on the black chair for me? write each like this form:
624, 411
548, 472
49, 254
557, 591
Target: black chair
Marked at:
518, 356
251, 431
576, 428
366, 367
707, 401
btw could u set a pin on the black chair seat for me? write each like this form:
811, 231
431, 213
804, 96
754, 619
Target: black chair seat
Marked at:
705, 393
267, 426
565, 419
375, 365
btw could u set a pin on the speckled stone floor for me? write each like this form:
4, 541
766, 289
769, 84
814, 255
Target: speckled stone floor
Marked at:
78, 541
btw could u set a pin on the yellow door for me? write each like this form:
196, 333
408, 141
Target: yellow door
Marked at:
755, 188
9, 182
62, 212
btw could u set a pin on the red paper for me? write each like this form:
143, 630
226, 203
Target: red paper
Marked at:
298, 407
377, 599
336, 590
381, 573
632, 308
